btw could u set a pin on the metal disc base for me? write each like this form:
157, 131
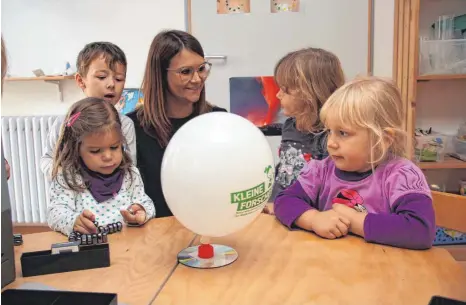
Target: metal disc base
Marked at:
223, 256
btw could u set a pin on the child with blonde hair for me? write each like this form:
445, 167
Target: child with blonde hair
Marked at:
366, 186
93, 179
306, 78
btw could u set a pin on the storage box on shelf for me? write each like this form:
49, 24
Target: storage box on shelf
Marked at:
459, 142
442, 57
430, 152
459, 145
430, 147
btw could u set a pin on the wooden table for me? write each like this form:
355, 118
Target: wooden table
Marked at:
275, 266
278, 266
141, 260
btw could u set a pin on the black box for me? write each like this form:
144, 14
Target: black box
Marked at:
438, 300
44, 262
8, 252
55, 297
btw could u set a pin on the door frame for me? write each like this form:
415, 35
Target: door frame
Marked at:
370, 32
405, 61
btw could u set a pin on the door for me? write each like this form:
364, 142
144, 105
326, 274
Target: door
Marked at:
250, 44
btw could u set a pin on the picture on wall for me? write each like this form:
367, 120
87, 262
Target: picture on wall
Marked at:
281, 6
130, 99
255, 98
233, 6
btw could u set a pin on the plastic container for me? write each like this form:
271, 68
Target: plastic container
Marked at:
462, 132
459, 142
444, 27
463, 187
459, 146
431, 147
442, 56
459, 25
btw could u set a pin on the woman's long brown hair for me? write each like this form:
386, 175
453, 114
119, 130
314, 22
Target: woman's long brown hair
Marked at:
95, 115
153, 115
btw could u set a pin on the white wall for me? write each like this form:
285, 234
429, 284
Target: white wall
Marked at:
57, 30
47, 33
38, 98
384, 17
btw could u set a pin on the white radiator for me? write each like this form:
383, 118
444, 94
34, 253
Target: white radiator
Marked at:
23, 140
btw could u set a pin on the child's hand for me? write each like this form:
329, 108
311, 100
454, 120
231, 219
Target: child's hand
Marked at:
344, 210
329, 224
85, 223
7, 169
135, 214
268, 209
356, 218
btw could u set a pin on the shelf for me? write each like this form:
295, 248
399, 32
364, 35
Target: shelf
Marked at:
56, 80
449, 163
441, 77
43, 78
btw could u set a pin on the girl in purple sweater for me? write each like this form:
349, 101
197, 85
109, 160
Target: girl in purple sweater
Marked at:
366, 186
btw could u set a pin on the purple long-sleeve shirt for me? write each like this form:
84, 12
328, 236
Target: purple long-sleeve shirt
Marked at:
396, 197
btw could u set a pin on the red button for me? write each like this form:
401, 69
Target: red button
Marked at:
205, 251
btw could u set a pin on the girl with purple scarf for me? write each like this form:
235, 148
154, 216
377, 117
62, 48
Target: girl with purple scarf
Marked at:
93, 179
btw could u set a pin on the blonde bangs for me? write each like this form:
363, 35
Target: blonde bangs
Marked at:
373, 104
346, 108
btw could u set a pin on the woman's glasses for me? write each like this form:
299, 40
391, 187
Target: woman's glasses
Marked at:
187, 73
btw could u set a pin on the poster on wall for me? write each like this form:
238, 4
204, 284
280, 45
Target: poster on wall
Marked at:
281, 6
255, 98
233, 6
130, 99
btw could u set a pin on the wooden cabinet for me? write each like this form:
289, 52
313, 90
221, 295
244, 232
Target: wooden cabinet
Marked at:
412, 21
438, 100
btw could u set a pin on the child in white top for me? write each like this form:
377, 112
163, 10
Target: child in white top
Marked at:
93, 178
101, 73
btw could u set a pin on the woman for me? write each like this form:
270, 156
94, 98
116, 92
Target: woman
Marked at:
174, 93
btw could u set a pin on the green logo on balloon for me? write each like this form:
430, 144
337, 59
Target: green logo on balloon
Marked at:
250, 200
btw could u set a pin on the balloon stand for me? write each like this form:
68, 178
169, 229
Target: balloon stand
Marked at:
207, 256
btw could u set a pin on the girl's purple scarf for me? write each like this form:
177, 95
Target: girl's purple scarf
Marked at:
102, 187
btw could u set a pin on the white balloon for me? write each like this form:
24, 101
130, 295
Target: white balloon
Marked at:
217, 173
